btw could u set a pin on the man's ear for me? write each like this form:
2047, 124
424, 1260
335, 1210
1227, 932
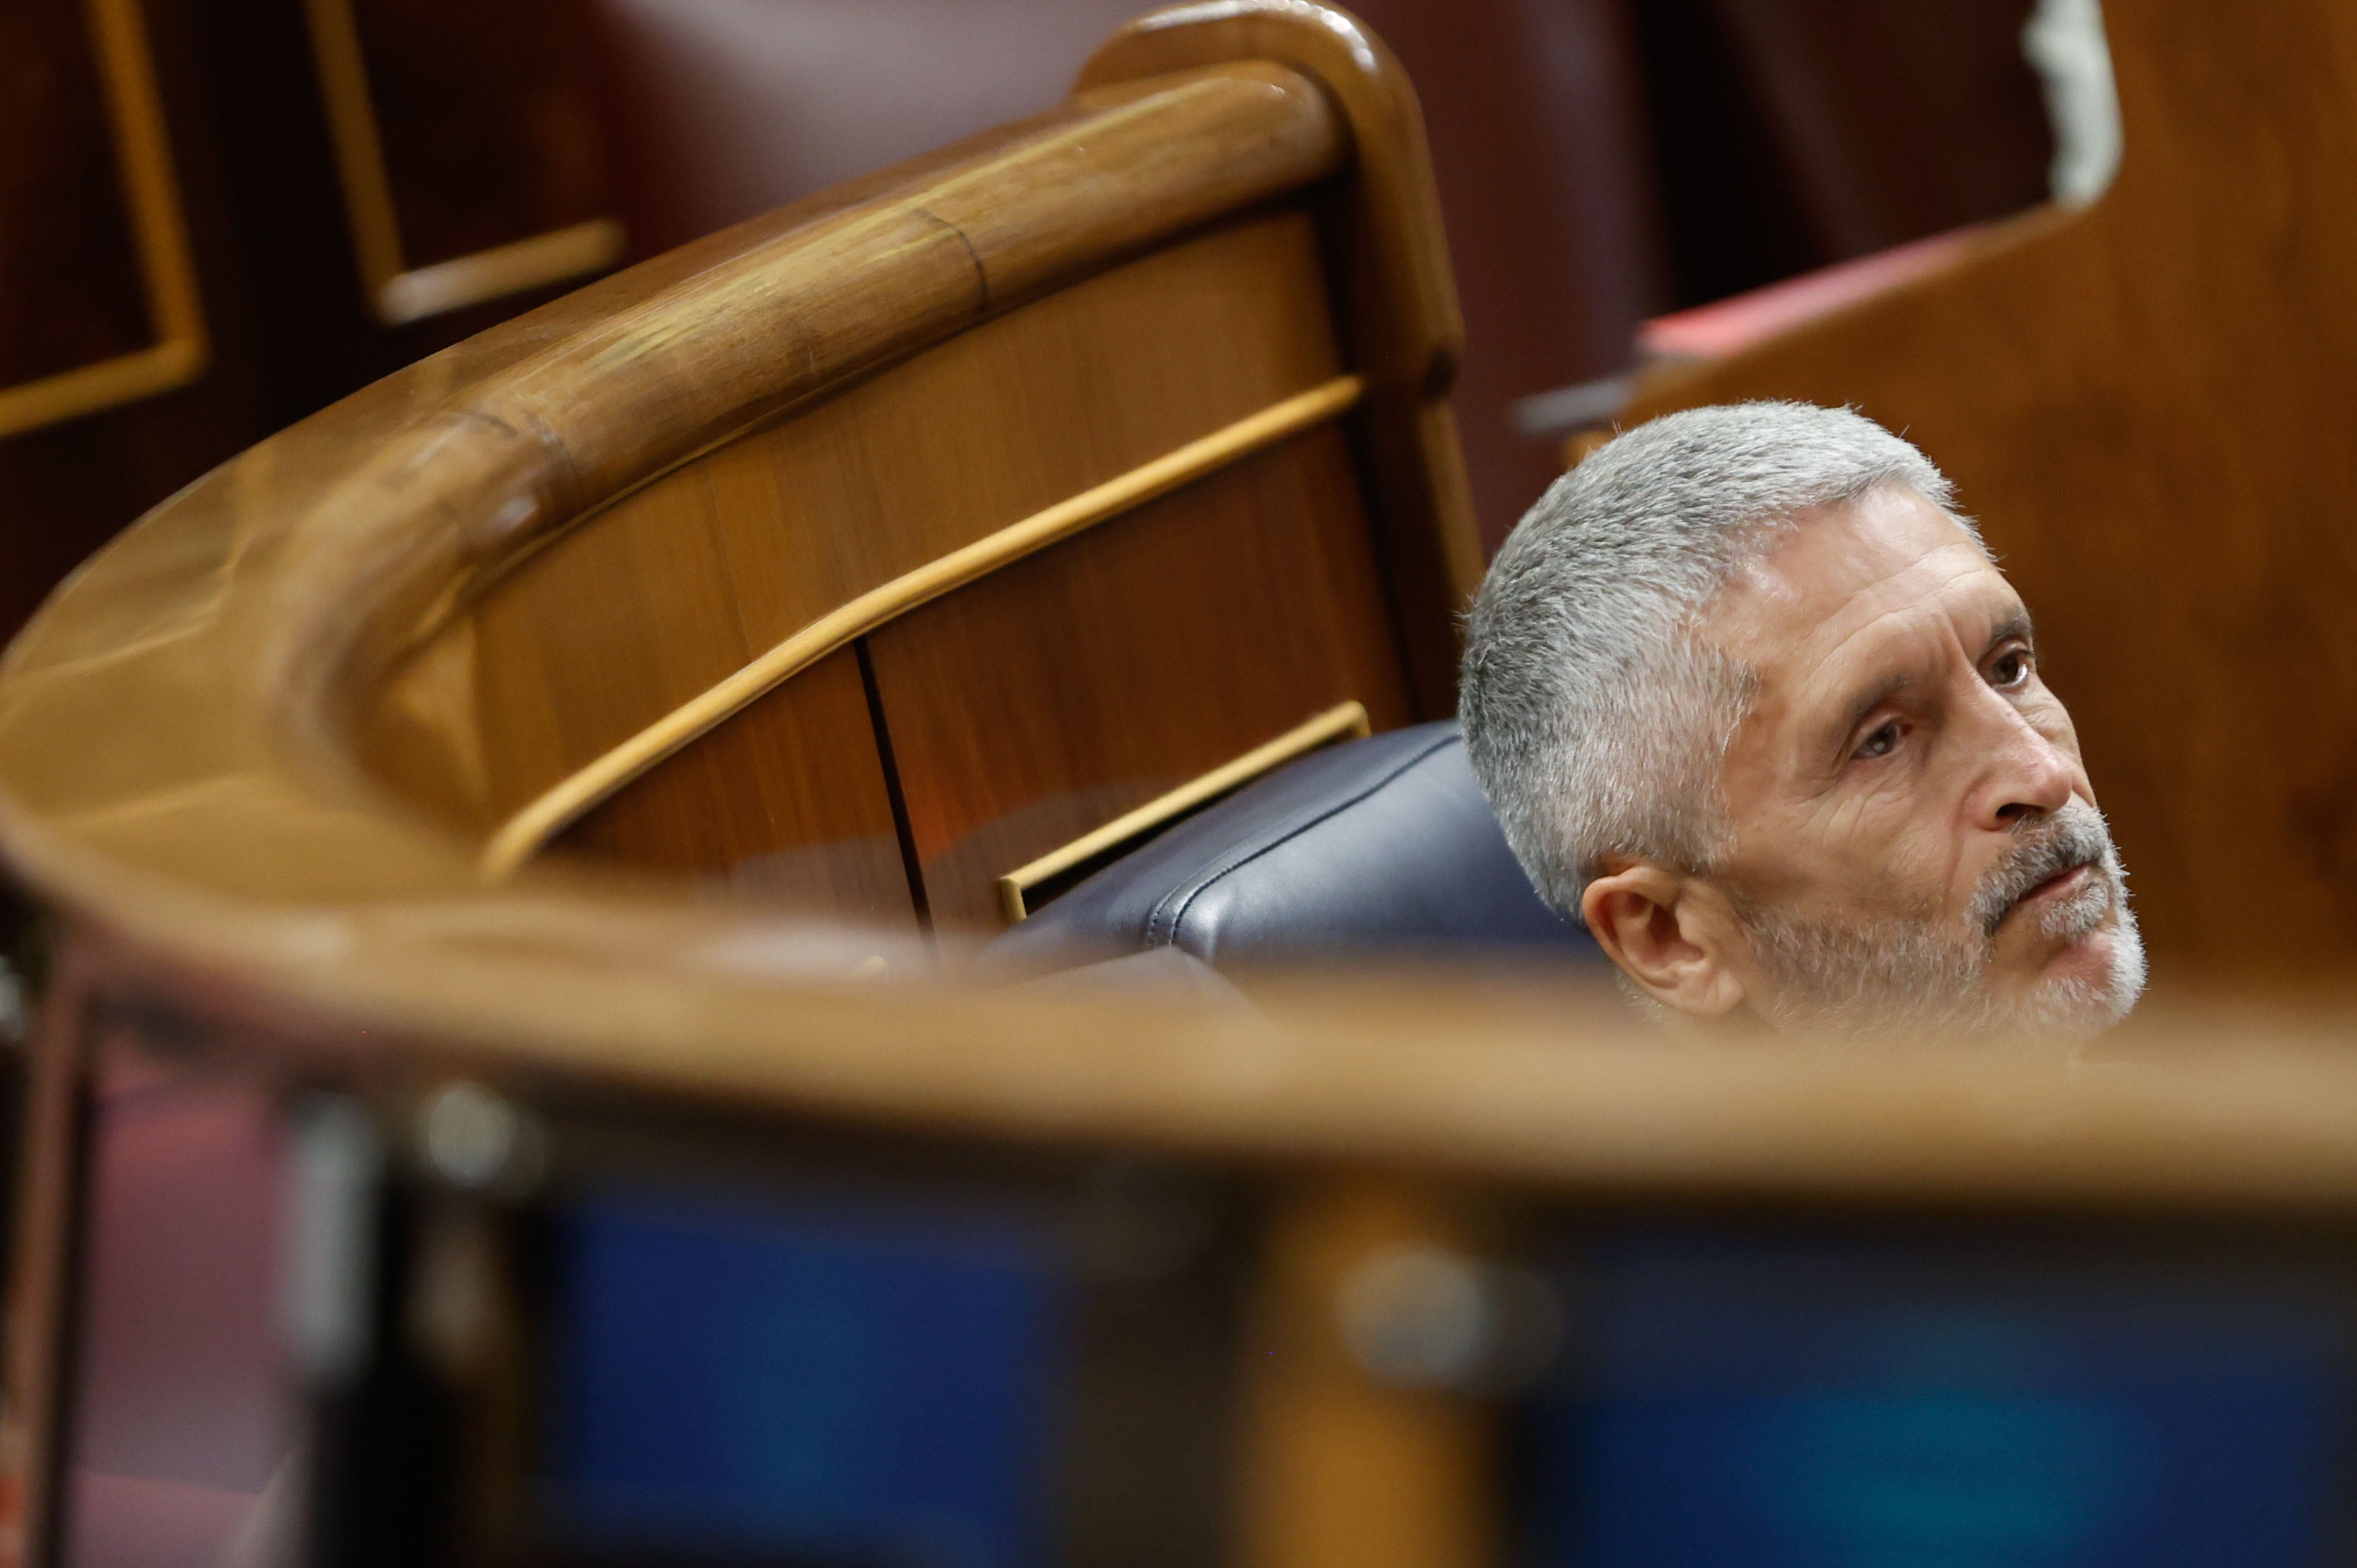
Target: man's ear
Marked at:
1670, 933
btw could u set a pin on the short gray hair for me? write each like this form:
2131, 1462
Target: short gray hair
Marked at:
1598, 723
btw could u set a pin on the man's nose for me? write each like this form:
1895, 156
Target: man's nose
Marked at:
2028, 777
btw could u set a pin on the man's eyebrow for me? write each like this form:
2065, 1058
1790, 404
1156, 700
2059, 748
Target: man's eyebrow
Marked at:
2016, 625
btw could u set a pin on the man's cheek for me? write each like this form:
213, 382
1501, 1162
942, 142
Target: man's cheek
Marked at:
1863, 821
1873, 851
1831, 831
1927, 873
2049, 718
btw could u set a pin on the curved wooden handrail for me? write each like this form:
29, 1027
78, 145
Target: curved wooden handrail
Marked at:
590, 417
178, 713
177, 755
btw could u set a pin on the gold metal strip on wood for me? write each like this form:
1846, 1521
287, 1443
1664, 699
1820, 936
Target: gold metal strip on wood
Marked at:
397, 293
1344, 721
412, 296
524, 834
143, 154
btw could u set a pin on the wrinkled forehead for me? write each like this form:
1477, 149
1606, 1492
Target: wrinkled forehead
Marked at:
1854, 584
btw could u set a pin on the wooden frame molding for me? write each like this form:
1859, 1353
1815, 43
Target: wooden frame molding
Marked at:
144, 155
530, 829
1344, 721
397, 293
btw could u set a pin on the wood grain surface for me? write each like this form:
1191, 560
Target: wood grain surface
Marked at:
2141, 403
488, 120
526, 830
1049, 698
79, 334
70, 294
789, 801
109, 209
468, 149
1396, 299
659, 597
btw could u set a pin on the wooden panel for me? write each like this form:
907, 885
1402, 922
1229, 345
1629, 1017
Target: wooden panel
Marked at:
69, 287
109, 401
653, 602
488, 117
2144, 404
787, 799
524, 832
297, 578
1051, 697
98, 294
467, 148
1393, 290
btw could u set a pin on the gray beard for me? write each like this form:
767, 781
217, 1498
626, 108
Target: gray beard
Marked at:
1926, 976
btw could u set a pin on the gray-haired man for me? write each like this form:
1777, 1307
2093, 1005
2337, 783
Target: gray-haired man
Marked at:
1758, 709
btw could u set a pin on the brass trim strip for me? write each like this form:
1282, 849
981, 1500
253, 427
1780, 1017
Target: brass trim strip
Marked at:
359, 151
397, 293
144, 159
548, 815
412, 296
1345, 720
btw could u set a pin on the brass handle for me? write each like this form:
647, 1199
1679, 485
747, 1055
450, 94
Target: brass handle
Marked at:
1343, 722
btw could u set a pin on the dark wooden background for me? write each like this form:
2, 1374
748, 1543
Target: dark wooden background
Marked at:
1600, 161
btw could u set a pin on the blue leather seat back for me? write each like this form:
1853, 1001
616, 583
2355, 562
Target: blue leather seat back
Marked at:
1380, 844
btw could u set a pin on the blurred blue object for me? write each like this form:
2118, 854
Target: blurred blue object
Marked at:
839, 1383
1766, 1403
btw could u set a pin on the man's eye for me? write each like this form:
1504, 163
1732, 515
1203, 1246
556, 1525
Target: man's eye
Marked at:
1881, 743
2010, 670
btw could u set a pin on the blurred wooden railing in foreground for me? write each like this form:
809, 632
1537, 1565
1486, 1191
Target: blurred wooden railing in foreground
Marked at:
1336, 1268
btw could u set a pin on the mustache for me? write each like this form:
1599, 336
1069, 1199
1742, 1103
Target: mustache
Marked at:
2074, 836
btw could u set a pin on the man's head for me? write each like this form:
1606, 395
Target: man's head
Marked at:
1758, 708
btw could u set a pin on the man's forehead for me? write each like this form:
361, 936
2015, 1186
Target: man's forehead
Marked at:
1889, 562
